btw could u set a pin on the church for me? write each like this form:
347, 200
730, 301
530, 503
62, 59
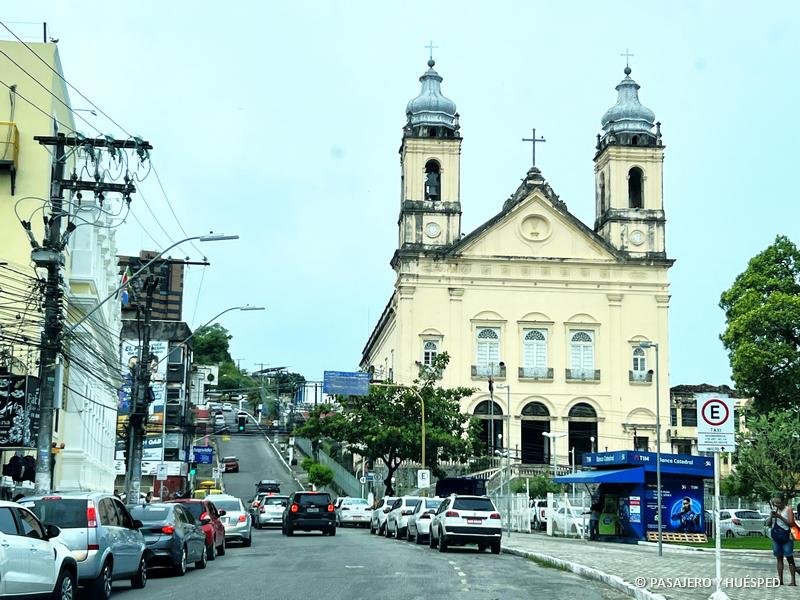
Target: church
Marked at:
561, 327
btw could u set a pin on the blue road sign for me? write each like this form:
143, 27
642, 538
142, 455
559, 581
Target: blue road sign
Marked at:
345, 383
203, 455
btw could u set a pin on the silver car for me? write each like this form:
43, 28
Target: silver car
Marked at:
237, 522
270, 511
101, 534
353, 511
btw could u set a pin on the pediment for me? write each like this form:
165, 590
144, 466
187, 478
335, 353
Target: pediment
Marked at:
487, 315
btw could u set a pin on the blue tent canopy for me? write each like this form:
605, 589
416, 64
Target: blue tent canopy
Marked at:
616, 476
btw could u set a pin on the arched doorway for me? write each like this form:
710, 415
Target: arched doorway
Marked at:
491, 419
535, 422
582, 428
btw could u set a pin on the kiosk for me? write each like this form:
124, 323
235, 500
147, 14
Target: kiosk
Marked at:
626, 491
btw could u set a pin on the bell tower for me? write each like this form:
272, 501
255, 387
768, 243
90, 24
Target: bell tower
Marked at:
430, 162
629, 166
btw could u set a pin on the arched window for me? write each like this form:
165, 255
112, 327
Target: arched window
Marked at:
635, 188
581, 348
534, 353
639, 360
429, 351
433, 184
582, 430
488, 409
487, 351
535, 409
602, 193
583, 411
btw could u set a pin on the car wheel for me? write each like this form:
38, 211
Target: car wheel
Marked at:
332, 531
100, 587
371, 529
417, 537
179, 568
248, 542
139, 580
729, 534
482, 547
495, 547
221, 549
408, 534
65, 586
431, 543
203, 562
211, 551
386, 531
289, 531
442, 542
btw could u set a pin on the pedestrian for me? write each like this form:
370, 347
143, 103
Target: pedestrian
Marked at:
594, 521
780, 522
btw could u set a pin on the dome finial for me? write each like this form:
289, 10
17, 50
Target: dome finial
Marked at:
627, 54
430, 48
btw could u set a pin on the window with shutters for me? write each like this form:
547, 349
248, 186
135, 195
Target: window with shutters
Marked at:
487, 351
581, 347
534, 353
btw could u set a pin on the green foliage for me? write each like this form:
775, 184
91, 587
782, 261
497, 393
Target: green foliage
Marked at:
320, 475
210, 345
768, 455
539, 486
307, 462
762, 336
387, 423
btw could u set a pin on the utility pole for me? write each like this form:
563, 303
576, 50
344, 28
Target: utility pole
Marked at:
50, 255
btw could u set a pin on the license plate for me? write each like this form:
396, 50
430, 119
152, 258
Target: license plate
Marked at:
312, 509
473, 521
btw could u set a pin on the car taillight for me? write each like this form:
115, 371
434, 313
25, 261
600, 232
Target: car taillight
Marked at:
736, 521
425, 516
91, 515
330, 508
168, 529
451, 513
406, 512
203, 516
494, 516
242, 518
93, 547
295, 507
386, 510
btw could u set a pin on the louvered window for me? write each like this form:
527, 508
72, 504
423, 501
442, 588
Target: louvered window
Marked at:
582, 354
534, 352
487, 351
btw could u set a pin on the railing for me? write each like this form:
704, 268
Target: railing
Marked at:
497, 371
9, 143
539, 373
583, 374
343, 479
640, 376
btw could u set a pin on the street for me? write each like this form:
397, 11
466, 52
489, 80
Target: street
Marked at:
353, 564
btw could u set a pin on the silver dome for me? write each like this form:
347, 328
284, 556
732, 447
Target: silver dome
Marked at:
431, 107
628, 114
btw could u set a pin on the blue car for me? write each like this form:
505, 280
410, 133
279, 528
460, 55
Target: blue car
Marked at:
173, 536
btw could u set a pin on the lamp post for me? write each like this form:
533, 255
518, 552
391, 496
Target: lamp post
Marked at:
552, 435
591, 440
658, 446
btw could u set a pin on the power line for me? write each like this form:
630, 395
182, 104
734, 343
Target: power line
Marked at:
44, 112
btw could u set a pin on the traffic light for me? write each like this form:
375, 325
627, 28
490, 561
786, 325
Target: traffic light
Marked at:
192, 469
242, 420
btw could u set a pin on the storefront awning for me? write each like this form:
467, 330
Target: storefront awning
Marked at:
616, 476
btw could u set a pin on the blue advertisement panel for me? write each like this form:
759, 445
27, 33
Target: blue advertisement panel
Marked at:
203, 455
682, 507
345, 383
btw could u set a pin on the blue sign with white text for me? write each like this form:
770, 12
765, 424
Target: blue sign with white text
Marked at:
203, 455
345, 383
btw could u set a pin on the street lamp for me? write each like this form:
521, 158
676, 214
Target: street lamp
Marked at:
658, 446
202, 238
591, 440
552, 436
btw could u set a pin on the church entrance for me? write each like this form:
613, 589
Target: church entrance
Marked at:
491, 420
535, 422
582, 430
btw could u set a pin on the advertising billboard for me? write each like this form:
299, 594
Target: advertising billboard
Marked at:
19, 411
682, 507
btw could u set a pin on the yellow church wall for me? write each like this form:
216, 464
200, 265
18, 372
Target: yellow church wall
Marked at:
417, 152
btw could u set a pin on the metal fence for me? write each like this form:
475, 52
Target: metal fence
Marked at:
515, 511
343, 479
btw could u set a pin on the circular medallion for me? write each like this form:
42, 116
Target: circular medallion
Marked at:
637, 237
535, 228
432, 230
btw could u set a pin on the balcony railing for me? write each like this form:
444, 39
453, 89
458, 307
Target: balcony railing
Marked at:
496, 371
640, 376
537, 373
583, 374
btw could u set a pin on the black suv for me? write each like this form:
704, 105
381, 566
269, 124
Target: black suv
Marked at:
309, 511
268, 485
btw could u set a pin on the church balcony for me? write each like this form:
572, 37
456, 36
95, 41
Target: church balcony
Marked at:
494, 371
535, 374
587, 375
640, 377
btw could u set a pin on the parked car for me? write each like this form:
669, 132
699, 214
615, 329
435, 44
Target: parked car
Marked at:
309, 511
231, 464
227, 406
209, 518
270, 511
173, 536
571, 520
377, 521
740, 522
101, 534
462, 520
397, 518
237, 523
419, 522
353, 511
539, 514
33, 561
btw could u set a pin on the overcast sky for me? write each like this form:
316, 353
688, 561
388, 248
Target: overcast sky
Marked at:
281, 122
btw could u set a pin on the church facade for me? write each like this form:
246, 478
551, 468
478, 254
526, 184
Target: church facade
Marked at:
558, 325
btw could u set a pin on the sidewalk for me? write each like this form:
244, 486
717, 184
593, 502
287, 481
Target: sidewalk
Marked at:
680, 573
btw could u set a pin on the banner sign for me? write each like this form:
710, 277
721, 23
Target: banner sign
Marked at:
19, 411
203, 455
346, 383
156, 360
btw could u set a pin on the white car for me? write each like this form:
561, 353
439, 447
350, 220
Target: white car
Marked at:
397, 519
419, 522
462, 520
353, 511
33, 562
740, 522
227, 407
571, 521
270, 511
377, 521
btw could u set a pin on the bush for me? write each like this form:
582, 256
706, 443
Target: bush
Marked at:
320, 475
539, 486
307, 462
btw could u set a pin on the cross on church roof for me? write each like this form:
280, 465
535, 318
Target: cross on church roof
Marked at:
627, 54
534, 140
431, 47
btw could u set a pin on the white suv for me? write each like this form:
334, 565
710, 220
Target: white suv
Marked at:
32, 563
462, 520
397, 519
377, 521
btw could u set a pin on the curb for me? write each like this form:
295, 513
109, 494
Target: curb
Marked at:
613, 581
283, 460
729, 551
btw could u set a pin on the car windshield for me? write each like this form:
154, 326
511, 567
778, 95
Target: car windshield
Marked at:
412, 502
228, 505
146, 513
196, 508
62, 512
314, 500
272, 501
748, 514
353, 501
473, 504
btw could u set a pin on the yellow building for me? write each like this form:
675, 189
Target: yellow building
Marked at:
555, 312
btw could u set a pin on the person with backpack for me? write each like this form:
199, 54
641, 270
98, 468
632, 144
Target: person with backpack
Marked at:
780, 522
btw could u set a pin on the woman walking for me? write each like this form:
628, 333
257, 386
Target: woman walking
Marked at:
780, 522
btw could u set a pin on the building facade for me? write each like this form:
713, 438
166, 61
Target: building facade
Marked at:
565, 319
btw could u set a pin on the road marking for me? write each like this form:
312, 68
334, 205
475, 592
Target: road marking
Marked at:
354, 566
460, 574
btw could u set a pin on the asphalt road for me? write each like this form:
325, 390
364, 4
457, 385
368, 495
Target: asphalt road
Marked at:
353, 564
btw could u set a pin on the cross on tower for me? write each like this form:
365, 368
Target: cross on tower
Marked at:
431, 47
534, 140
627, 54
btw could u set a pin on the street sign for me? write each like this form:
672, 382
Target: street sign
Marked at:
161, 472
345, 383
423, 478
215, 473
367, 478
715, 423
203, 455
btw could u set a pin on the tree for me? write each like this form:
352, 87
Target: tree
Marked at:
538, 486
762, 336
319, 475
211, 345
768, 455
386, 423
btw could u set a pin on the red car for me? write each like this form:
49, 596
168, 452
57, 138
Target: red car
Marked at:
209, 517
231, 464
